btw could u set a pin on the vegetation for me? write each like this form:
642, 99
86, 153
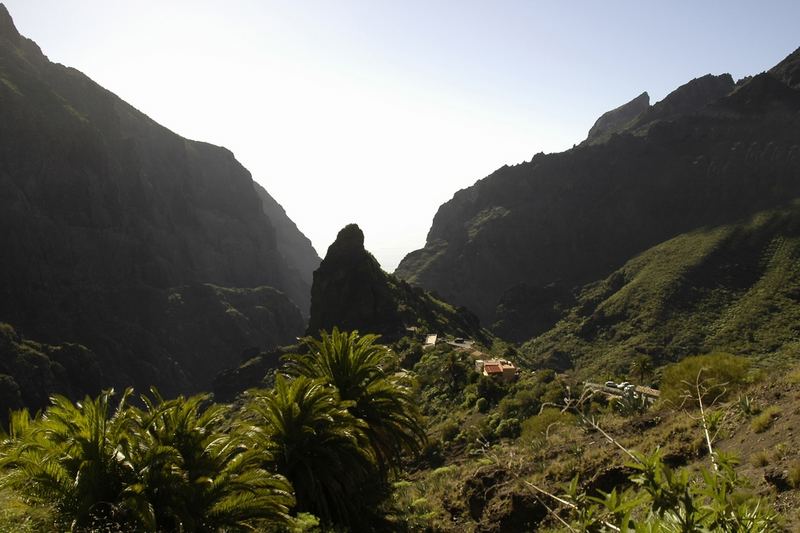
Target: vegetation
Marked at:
728, 288
170, 466
355, 366
763, 421
719, 374
188, 464
315, 442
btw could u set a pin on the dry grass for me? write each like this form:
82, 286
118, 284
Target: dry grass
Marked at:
763, 421
794, 474
760, 459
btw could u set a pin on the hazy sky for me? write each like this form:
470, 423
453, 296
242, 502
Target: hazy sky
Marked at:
376, 112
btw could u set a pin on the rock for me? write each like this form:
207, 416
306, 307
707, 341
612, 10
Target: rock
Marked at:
697, 158
618, 119
479, 489
7, 28
108, 218
788, 70
351, 292
778, 478
689, 98
295, 247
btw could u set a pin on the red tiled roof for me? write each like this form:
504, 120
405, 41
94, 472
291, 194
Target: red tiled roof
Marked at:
492, 368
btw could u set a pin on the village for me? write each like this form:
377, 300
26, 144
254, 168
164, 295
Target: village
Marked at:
502, 369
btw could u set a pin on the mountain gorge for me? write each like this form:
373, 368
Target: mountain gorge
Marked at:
603, 339
118, 234
712, 152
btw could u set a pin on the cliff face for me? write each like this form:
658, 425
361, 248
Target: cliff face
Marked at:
709, 153
618, 119
105, 214
295, 247
351, 292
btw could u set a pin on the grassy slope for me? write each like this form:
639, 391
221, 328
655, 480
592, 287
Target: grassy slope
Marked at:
480, 485
732, 288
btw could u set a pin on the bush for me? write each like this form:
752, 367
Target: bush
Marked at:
482, 405
763, 421
760, 459
719, 374
794, 475
508, 428
539, 426
450, 430
491, 389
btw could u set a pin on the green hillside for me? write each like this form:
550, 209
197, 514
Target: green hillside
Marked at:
733, 288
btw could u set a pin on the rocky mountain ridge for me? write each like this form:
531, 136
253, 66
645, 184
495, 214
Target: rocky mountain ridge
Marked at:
710, 153
109, 219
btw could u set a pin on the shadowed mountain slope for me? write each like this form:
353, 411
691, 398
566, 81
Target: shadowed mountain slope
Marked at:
108, 218
710, 153
732, 288
351, 292
295, 247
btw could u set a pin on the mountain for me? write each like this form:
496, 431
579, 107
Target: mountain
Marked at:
121, 237
711, 153
733, 288
351, 292
618, 119
295, 247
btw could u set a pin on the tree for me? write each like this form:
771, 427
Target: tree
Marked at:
720, 373
196, 473
316, 443
168, 467
354, 364
74, 456
643, 365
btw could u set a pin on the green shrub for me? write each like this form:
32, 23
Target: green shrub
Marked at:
719, 374
763, 421
482, 404
508, 428
539, 426
747, 406
492, 389
450, 430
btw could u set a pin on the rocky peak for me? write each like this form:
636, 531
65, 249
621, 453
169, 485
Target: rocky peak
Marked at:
7, 28
617, 119
350, 290
788, 70
349, 243
694, 95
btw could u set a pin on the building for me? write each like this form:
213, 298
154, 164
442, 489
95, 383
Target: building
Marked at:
500, 368
430, 341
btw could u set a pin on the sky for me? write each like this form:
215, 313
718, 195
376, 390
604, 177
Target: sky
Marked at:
377, 112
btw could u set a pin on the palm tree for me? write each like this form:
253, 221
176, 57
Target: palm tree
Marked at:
169, 467
74, 456
197, 473
316, 443
354, 365
643, 364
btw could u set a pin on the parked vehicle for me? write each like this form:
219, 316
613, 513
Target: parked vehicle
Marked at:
611, 384
623, 385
